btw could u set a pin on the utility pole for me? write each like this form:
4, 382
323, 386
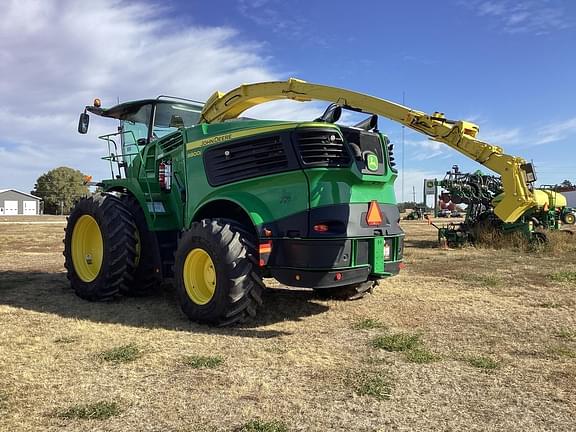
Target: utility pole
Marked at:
403, 152
413, 194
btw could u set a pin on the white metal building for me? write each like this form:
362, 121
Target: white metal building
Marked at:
14, 202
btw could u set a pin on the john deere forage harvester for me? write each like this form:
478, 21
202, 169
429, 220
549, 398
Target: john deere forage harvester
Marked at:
218, 201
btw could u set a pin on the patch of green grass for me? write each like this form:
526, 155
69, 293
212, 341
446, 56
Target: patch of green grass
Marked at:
121, 354
368, 324
483, 362
563, 351
203, 362
565, 334
66, 339
564, 276
421, 355
396, 342
372, 384
489, 281
95, 411
263, 426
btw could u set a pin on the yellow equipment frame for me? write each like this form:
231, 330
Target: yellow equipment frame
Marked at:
460, 135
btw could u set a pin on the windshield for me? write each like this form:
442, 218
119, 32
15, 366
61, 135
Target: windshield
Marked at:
170, 116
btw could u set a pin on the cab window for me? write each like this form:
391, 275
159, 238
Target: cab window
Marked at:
135, 127
171, 116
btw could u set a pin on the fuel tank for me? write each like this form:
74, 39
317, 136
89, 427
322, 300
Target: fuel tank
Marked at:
553, 199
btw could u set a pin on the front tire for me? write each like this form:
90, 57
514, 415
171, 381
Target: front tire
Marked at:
216, 274
99, 247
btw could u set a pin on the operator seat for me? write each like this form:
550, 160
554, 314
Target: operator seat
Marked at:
176, 122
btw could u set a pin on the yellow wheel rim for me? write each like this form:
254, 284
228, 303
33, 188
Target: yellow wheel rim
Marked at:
199, 276
569, 218
87, 248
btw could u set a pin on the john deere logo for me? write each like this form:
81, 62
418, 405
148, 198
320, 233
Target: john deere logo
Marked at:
372, 162
429, 184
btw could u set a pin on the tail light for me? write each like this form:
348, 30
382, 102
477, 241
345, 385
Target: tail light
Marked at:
321, 228
264, 250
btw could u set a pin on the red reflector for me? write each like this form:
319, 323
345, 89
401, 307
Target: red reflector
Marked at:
402, 266
374, 215
265, 247
338, 276
321, 228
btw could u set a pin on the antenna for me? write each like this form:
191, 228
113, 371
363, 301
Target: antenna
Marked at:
403, 151
118, 103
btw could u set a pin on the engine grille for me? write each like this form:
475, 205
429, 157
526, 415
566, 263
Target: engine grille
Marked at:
322, 148
244, 160
171, 143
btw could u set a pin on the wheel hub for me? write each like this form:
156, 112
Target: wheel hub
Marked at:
87, 248
199, 276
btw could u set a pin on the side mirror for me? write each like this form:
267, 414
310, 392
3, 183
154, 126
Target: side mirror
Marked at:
331, 115
83, 123
368, 124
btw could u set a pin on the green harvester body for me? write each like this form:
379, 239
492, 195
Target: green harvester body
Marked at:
298, 186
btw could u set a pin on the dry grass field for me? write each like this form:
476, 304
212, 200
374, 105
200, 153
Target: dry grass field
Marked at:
471, 339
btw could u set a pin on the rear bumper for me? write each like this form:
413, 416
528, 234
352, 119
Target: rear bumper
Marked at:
319, 278
328, 263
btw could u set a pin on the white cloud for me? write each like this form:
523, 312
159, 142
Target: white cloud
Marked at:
528, 16
287, 110
557, 131
56, 56
413, 184
501, 137
545, 133
425, 149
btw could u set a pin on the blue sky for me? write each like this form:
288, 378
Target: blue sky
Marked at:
507, 65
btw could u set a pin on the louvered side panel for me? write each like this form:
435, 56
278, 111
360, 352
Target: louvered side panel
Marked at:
247, 159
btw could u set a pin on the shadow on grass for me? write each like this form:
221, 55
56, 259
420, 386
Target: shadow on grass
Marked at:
421, 244
51, 293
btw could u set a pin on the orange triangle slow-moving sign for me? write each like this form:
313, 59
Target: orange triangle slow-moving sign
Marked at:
374, 215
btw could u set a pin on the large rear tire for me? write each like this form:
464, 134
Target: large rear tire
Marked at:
99, 247
216, 273
146, 277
